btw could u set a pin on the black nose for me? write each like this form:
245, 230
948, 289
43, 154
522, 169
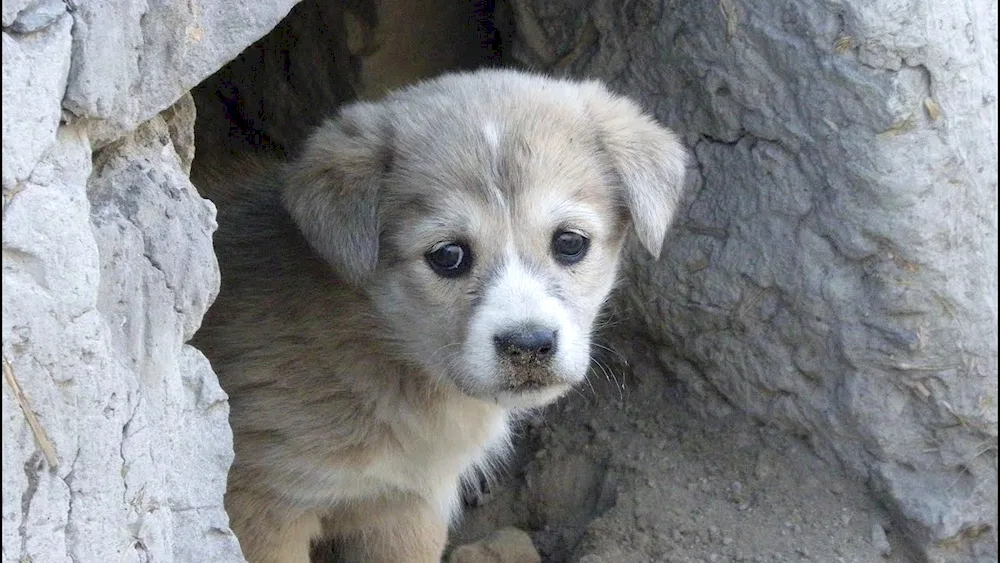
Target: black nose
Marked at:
529, 345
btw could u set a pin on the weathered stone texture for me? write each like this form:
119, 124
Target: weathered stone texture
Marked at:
116, 442
133, 59
107, 272
35, 71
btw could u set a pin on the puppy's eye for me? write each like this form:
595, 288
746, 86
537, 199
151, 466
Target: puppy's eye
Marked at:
569, 247
449, 259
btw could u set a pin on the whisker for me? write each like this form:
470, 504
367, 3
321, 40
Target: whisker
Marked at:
435, 352
620, 356
610, 375
595, 362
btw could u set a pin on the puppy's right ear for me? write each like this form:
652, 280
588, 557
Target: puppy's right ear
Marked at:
332, 189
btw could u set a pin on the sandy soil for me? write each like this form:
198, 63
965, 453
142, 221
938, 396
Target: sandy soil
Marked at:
631, 472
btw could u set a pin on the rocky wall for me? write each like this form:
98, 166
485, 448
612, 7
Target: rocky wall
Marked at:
116, 441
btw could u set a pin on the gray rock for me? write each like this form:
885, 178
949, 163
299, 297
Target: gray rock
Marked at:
37, 16
52, 351
116, 436
10, 10
35, 70
507, 545
107, 272
131, 60
879, 540
834, 267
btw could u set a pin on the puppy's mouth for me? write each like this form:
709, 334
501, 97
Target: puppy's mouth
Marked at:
531, 385
528, 378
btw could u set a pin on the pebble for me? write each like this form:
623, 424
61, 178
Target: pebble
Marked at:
879, 540
507, 545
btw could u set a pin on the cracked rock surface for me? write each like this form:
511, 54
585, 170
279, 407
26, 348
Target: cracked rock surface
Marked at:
116, 441
108, 269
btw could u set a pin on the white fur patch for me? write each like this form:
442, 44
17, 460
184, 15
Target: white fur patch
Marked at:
492, 132
520, 299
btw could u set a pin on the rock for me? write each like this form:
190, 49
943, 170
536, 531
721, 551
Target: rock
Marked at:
132, 60
116, 442
11, 8
508, 545
108, 269
37, 16
35, 71
879, 540
833, 269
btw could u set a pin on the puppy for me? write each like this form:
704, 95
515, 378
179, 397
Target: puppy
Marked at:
428, 268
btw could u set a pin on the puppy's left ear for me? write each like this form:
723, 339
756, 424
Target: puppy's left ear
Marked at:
648, 159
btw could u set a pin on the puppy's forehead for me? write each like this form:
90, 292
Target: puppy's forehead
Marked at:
527, 156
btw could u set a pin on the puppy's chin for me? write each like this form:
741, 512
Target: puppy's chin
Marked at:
525, 396
529, 399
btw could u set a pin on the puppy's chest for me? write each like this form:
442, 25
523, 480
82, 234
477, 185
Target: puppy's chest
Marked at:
422, 452
428, 451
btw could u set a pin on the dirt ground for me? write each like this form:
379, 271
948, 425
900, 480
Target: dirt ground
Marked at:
631, 473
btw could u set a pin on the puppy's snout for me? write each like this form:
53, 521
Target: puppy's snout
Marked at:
533, 344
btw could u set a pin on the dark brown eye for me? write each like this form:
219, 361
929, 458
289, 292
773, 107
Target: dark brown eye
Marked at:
569, 247
449, 259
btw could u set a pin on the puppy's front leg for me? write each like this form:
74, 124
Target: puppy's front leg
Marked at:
268, 534
389, 532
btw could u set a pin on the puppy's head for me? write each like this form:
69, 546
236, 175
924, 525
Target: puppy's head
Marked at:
484, 215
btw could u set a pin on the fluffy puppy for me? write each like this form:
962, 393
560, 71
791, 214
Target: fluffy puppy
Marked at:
429, 267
